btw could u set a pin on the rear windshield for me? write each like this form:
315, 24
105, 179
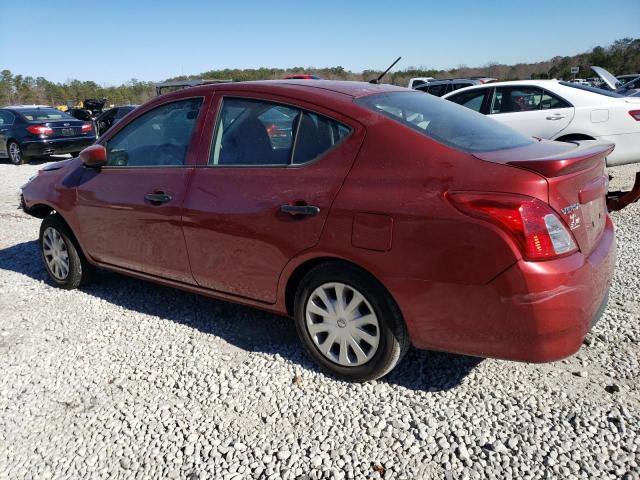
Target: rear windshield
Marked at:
606, 93
45, 114
445, 121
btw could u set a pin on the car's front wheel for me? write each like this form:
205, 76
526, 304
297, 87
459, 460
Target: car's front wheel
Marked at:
65, 263
16, 155
349, 323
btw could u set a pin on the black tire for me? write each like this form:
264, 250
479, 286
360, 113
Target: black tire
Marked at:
80, 271
394, 338
16, 155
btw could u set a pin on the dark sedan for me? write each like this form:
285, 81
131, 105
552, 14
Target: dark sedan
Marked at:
28, 131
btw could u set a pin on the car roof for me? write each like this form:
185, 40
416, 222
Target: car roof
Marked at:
307, 88
25, 107
572, 94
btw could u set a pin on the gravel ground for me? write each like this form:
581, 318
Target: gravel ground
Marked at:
126, 379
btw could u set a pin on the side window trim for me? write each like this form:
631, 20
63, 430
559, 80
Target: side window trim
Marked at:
203, 104
486, 104
280, 102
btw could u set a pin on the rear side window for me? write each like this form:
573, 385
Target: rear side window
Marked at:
550, 101
6, 118
459, 85
437, 90
260, 133
445, 122
160, 137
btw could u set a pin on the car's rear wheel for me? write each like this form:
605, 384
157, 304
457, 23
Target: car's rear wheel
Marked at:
16, 155
65, 263
348, 322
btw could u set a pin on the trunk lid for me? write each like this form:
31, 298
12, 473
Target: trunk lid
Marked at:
575, 174
65, 128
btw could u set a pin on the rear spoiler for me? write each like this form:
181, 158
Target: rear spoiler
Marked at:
585, 156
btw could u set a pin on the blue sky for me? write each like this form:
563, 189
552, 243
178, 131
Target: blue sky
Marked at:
111, 41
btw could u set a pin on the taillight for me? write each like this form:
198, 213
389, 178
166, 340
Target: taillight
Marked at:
635, 114
40, 130
87, 127
538, 230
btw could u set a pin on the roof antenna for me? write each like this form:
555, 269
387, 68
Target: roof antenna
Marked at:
377, 80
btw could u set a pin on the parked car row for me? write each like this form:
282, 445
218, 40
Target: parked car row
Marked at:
321, 200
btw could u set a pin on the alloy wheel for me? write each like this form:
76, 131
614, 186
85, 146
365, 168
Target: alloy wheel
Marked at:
342, 324
55, 253
15, 153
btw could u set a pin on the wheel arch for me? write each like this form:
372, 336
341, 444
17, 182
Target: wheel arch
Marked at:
75, 238
307, 265
568, 137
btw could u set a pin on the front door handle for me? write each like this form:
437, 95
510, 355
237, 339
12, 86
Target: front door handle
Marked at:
157, 198
295, 210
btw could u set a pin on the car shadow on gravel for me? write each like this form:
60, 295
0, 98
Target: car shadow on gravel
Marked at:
246, 328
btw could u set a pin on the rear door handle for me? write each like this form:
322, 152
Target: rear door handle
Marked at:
296, 210
556, 117
157, 198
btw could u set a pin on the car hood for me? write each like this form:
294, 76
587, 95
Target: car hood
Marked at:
56, 165
611, 81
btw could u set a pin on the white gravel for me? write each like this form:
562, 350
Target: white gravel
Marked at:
126, 379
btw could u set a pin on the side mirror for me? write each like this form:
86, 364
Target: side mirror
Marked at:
94, 156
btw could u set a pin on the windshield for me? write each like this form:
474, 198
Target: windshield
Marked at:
45, 114
445, 121
599, 91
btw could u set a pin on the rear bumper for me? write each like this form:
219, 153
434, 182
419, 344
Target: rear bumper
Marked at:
534, 311
56, 146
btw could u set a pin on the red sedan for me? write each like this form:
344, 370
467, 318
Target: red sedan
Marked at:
383, 218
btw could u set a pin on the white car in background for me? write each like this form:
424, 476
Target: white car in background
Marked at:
558, 110
416, 81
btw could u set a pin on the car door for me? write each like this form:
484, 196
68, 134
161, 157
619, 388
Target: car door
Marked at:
530, 110
6, 122
130, 210
264, 195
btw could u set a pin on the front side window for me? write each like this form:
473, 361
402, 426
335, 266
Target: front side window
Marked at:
473, 99
445, 122
260, 133
160, 137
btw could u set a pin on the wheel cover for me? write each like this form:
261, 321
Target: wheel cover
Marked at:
54, 251
15, 153
342, 324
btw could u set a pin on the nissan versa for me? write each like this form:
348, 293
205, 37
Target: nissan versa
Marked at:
375, 216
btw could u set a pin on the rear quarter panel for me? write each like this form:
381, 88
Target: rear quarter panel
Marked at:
404, 176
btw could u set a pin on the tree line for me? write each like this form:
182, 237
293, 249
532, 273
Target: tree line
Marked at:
622, 56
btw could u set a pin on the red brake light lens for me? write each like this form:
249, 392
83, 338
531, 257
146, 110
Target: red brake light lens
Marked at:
40, 130
539, 231
87, 127
635, 114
